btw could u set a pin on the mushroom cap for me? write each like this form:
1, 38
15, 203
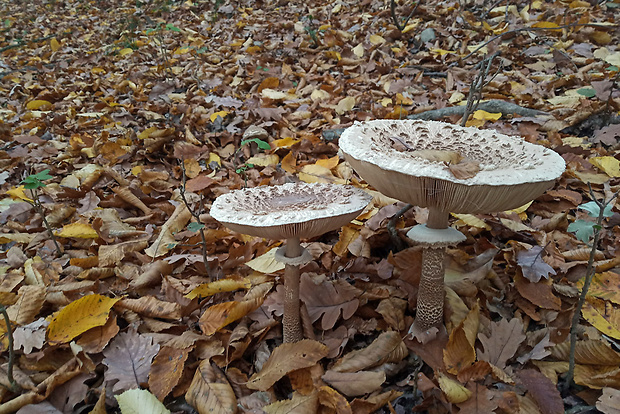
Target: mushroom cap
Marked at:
292, 210
512, 171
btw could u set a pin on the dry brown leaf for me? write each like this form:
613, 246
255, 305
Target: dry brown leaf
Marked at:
329, 299
113, 254
540, 293
217, 316
543, 390
126, 194
286, 358
374, 402
331, 398
152, 307
299, 404
388, 347
609, 402
174, 224
210, 392
464, 170
29, 302
96, 339
481, 400
459, 352
166, 370
587, 352
502, 343
393, 312
353, 384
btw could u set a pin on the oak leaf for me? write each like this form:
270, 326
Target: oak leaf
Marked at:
609, 402
329, 299
502, 343
532, 264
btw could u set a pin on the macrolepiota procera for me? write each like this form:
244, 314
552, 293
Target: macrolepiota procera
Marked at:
290, 212
448, 169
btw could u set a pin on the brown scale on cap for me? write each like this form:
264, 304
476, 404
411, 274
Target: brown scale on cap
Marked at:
290, 211
413, 161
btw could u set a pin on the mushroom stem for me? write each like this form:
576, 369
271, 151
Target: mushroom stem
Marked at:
431, 291
291, 322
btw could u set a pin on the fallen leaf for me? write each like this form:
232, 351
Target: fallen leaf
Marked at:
543, 390
353, 384
140, 401
502, 343
210, 392
532, 264
286, 358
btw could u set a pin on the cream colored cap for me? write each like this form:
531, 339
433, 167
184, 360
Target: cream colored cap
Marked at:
290, 210
512, 171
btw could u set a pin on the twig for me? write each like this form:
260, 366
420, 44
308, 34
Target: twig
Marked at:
391, 227
36, 203
477, 85
23, 42
196, 215
395, 19
590, 270
9, 332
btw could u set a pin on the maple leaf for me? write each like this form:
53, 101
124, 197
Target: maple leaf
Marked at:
532, 265
128, 358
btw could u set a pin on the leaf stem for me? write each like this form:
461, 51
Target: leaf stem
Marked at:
9, 331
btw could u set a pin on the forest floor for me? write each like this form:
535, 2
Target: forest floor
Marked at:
122, 121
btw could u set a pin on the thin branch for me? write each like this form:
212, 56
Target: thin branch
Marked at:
477, 85
9, 331
590, 270
395, 18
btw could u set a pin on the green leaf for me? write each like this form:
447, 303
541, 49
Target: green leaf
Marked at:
587, 92
261, 144
583, 229
193, 226
172, 27
34, 181
593, 209
613, 68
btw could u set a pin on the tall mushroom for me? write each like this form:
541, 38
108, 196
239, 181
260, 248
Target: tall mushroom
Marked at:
290, 212
449, 169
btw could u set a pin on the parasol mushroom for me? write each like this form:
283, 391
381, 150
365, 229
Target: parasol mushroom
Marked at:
448, 169
290, 212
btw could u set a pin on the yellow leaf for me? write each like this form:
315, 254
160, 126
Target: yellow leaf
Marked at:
289, 163
332, 54
609, 165
329, 163
472, 221
54, 44
596, 319
78, 231
487, 116
137, 170
38, 104
319, 95
264, 160
192, 168
18, 193
213, 157
519, 210
78, 317
125, 52
266, 263
314, 173
218, 316
181, 50
359, 50
385, 102
376, 39
347, 236
345, 105
403, 100
545, 25
454, 391
221, 114
442, 52
223, 285
277, 95
285, 142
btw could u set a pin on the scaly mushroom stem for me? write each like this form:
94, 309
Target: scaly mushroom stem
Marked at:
431, 291
291, 322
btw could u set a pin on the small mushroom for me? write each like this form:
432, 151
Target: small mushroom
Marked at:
509, 173
290, 212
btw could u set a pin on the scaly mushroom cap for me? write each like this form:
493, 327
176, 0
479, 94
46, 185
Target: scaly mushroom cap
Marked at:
293, 210
512, 172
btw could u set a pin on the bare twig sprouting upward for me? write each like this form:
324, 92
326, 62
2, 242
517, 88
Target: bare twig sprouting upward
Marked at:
396, 19
196, 215
478, 84
590, 270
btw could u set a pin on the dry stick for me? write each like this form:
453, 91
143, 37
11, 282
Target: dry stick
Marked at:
590, 270
477, 85
9, 332
38, 207
196, 215
393, 10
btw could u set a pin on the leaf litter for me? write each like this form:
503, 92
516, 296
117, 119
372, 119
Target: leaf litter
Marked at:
107, 108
